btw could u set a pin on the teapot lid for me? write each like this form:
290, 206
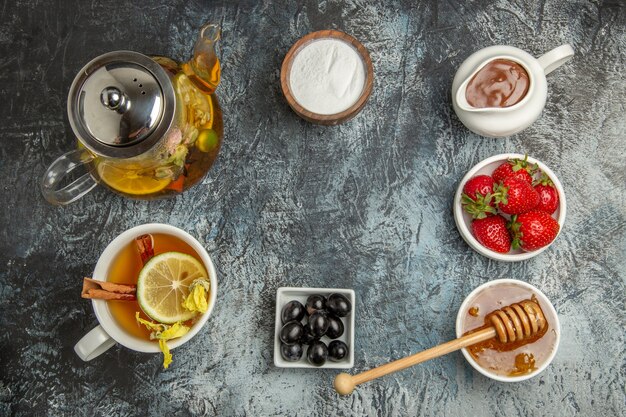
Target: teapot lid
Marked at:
121, 104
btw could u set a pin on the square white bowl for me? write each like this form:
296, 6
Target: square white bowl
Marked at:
286, 294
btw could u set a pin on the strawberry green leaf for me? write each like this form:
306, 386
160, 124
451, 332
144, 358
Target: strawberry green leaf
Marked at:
544, 180
479, 208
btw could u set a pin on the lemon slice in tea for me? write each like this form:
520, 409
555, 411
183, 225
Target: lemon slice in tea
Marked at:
163, 285
130, 181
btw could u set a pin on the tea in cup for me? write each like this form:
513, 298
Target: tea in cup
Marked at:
150, 294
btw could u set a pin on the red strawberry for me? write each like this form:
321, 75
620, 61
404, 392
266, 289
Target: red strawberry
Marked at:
515, 196
492, 233
477, 197
548, 195
518, 168
481, 184
533, 230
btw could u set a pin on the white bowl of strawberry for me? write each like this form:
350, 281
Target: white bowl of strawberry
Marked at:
509, 207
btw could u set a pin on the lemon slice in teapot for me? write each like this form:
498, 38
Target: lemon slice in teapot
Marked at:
130, 181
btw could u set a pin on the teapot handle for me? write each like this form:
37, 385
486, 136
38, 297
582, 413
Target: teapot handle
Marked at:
555, 58
63, 166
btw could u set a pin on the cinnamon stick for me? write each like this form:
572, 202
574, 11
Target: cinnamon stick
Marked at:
105, 290
145, 245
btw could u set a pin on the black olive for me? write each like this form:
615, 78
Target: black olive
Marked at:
338, 304
291, 353
337, 350
317, 353
318, 324
335, 327
293, 310
291, 332
315, 303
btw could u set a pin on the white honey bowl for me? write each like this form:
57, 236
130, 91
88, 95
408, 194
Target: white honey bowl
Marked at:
548, 310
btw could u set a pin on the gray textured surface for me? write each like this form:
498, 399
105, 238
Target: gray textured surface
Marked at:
366, 205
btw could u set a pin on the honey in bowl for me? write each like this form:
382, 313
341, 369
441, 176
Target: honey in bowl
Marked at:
125, 269
514, 358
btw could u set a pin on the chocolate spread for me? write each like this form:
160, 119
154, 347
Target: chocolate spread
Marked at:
500, 83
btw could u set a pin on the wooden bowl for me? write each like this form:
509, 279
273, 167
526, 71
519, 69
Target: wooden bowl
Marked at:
327, 119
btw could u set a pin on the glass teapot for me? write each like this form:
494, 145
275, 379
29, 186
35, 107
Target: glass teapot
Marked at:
147, 127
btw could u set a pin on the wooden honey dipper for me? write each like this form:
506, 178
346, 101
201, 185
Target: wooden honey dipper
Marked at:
513, 323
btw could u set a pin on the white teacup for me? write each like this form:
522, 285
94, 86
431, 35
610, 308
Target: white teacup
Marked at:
109, 332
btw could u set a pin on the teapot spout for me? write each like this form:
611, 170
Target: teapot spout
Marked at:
204, 67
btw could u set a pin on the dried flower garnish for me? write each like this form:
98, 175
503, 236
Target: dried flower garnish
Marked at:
163, 333
197, 298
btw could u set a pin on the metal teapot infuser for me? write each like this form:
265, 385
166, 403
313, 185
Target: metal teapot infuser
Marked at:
147, 127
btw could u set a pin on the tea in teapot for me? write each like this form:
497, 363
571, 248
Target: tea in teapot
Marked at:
147, 127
